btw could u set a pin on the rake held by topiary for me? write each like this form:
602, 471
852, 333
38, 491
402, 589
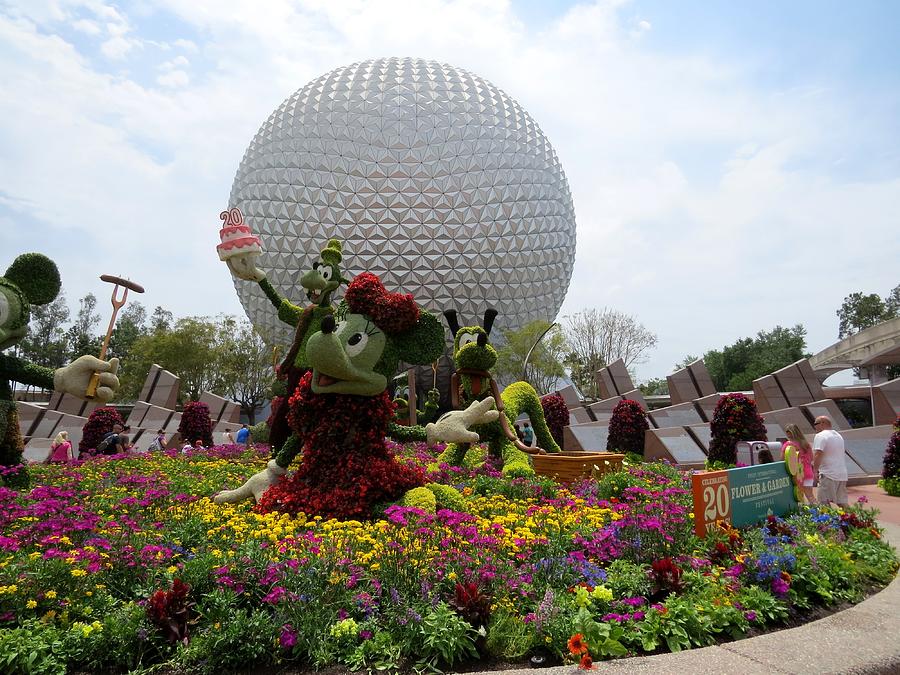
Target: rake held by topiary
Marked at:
117, 304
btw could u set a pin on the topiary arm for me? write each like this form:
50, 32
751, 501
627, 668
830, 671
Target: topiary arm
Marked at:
288, 312
26, 372
405, 433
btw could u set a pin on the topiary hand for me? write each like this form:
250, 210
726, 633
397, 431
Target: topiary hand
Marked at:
74, 378
453, 427
243, 266
255, 486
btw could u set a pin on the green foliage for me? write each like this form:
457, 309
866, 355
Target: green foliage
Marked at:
735, 367
420, 498
657, 386
628, 579
604, 639
860, 311
508, 636
545, 364
446, 638
33, 649
259, 432
245, 365
46, 343
225, 646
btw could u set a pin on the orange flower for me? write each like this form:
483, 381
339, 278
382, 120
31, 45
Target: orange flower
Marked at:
577, 645
587, 663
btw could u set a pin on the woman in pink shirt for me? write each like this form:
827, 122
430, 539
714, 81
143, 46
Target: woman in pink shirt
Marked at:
61, 449
804, 451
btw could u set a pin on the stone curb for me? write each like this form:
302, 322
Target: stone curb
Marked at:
862, 639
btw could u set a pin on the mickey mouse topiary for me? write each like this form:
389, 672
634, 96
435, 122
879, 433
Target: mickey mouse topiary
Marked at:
33, 279
341, 411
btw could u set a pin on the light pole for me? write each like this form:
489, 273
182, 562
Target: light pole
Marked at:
528, 355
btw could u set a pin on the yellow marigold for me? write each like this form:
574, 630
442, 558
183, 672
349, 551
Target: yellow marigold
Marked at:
31, 604
50, 595
79, 573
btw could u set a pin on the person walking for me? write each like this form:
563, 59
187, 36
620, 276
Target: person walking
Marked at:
797, 441
229, 437
61, 449
829, 463
243, 435
159, 443
527, 434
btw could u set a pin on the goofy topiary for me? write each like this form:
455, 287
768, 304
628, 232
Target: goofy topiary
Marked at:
474, 356
33, 279
341, 411
320, 283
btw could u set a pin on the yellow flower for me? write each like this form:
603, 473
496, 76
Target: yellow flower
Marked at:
50, 595
31, 604
79, 573
171, 569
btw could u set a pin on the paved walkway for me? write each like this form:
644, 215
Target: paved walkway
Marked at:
862, 639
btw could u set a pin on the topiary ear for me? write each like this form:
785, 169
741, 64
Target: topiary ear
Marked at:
36, 276
424, 343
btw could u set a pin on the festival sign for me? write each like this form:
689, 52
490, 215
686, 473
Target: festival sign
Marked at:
741, 496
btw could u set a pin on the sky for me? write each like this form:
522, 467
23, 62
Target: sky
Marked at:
734, 166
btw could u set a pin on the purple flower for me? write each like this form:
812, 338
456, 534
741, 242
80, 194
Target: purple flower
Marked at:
288, 636
750, 616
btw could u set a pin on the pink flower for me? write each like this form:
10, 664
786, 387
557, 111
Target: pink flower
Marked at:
288, 637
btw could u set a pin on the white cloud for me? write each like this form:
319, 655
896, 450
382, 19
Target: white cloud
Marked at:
87, 26
173, 78
698, 193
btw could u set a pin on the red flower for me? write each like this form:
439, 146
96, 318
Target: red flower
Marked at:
391, 312
587, 663
577, 645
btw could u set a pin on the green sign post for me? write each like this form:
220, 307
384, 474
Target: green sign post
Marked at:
741, 496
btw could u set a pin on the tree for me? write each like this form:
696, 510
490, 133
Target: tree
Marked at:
246, 370
45, 344
161, 320
545, 364
734, 419
599, 337
859, 312
190, 350
735, 367
82, 334
658, 386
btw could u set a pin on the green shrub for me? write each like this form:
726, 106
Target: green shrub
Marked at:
259, 433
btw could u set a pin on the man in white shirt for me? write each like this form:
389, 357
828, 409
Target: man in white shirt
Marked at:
829, 463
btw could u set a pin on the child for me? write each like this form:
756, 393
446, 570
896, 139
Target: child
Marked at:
798, 441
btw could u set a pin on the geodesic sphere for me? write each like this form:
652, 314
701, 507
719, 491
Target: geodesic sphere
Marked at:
431, 177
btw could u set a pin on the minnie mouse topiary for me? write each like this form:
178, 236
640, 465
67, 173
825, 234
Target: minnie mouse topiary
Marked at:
341, 411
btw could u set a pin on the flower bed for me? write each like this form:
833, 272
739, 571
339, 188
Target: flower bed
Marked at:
125, 563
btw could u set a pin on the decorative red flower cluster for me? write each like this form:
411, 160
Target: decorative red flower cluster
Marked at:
556, 415
666, 575
735, 419
891, 466
391, 312
626, 428
472, 604
346, 469
170, 611
98, 425
196, 424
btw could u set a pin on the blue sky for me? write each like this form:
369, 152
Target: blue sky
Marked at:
733, 165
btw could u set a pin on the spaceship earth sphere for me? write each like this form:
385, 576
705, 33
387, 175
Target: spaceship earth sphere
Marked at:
432, 178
